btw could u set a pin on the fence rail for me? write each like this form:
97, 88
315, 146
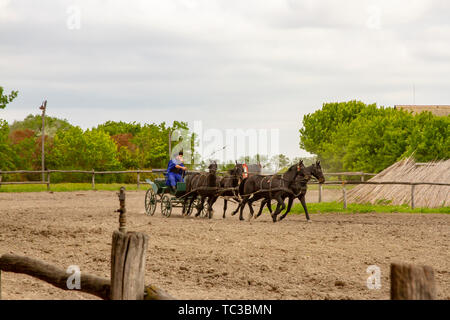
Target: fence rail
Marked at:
159, 171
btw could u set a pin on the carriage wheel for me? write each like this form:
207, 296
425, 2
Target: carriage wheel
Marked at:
166, 206
150, 202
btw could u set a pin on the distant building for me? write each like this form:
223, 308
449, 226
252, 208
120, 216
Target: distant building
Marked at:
437, 110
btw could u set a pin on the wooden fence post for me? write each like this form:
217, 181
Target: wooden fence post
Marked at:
409, 282
93, 179
320, 192
128, 265
412, 196
344, 195
48, 181
127, 259
138, 179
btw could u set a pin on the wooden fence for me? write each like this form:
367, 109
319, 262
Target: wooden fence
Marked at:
160, 171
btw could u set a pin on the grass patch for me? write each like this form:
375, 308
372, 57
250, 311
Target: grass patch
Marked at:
325, 207
67, 187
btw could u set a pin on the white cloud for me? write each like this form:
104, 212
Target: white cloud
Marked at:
230, 63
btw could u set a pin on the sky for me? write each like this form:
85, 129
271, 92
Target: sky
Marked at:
229, 64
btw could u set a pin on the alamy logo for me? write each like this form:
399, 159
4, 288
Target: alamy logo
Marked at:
374, 280
74, 19
74, 280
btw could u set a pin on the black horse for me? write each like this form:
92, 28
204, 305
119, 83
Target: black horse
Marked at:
204, 185
299, 189
258, 187
230, 185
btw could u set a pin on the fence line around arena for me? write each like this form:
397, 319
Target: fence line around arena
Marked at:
159, 171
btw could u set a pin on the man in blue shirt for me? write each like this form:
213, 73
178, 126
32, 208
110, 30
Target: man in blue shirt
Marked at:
175, 171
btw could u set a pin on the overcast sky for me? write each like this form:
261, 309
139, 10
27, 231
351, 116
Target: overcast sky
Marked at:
230, 63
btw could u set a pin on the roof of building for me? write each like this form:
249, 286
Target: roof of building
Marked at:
437, 110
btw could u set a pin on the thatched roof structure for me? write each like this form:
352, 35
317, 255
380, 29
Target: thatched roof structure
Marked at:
407, 171
437, 110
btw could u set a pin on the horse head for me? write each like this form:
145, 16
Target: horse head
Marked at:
212, 167
317, 172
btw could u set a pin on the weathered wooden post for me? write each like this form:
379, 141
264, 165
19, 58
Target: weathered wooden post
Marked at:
93, 179
412, 196
127, 259
344, 195
138, 179
409, 282
48, 180
320, 192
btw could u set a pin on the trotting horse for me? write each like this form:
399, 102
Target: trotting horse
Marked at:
258, 187
230, 184
205, 186
299, 190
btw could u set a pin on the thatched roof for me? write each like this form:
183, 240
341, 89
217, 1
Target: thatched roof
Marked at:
437, 110
407, 171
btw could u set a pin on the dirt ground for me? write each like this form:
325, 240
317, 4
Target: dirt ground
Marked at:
194, 258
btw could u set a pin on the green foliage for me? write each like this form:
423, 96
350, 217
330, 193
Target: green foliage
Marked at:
153, 144
429, 139
75, 149
67, 187
6, 98
7, 156
112, 127
352, 136
34, 122
331, 207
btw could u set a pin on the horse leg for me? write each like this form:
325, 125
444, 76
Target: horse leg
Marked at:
303, 201
242, 206
211, 201
250, 205
191, 200
280, 207
200, 206
263, 203
291, 201
237, 209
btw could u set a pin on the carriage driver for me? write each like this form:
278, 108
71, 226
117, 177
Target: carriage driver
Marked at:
175, 171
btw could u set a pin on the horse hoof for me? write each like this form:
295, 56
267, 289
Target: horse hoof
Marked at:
242, 219
309, 221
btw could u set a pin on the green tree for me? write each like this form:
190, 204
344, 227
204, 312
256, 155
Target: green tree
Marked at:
115, 128
75, 149
429, 139
34, 122
358, 137
7, 98
7, 155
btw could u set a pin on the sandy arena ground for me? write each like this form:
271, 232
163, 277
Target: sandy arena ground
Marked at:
195, 258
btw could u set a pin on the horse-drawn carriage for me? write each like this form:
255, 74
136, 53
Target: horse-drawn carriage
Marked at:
160, 193
237, 185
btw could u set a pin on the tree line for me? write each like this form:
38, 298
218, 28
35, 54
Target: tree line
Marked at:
353, 136
109, 146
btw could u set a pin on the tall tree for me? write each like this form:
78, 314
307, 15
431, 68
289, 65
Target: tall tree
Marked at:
6, 98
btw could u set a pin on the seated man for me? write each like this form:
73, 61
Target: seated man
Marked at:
175, 171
